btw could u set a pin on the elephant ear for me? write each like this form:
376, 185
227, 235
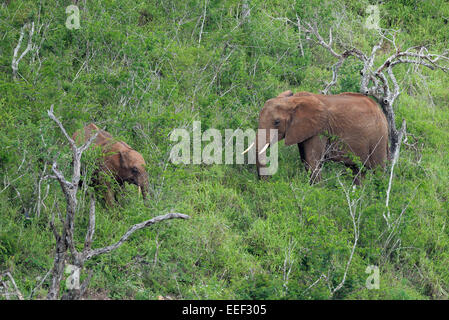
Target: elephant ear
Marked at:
124, 159
308, 118
285, 94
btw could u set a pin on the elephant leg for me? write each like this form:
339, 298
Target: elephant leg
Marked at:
109, 195
359, 175
105, 184
302, 153
379, 154
314, 152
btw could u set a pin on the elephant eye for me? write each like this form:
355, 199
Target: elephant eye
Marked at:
276, 122
134, 170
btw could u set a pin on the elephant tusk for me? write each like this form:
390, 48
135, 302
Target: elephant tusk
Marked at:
252, 145
139, 192
264, 148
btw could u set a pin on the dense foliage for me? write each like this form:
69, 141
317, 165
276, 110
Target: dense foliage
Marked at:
143, 68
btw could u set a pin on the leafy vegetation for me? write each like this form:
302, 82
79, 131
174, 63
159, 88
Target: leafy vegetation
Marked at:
141, 69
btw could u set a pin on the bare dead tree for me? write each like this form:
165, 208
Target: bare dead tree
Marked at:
19, 172
202, 22
245, 15
354, 203
15, 59
12, 180
65, 243
356, 213
37, 33
378, 81
288, 264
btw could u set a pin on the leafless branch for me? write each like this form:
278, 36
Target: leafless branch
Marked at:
40, 200
393, 163
288, 263
11, 279
355, 217
65, 240
202, 23
15, 60
91, 226
246, 12
7, 182
322, 276
133, 229
39, 285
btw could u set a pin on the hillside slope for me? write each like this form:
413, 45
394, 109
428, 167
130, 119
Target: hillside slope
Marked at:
143, 68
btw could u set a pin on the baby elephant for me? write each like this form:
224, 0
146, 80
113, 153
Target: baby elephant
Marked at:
119, 160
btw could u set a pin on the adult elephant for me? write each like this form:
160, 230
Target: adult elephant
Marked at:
119, 160
340, 128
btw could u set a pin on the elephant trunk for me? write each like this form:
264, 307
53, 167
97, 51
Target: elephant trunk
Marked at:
144, 190
142, 183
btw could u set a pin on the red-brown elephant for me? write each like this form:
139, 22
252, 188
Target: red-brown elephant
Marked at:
119, 160
327, 127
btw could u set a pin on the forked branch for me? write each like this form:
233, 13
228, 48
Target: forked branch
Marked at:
65, 241
15, 59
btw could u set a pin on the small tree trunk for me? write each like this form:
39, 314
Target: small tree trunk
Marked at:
58, 269
392, 131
